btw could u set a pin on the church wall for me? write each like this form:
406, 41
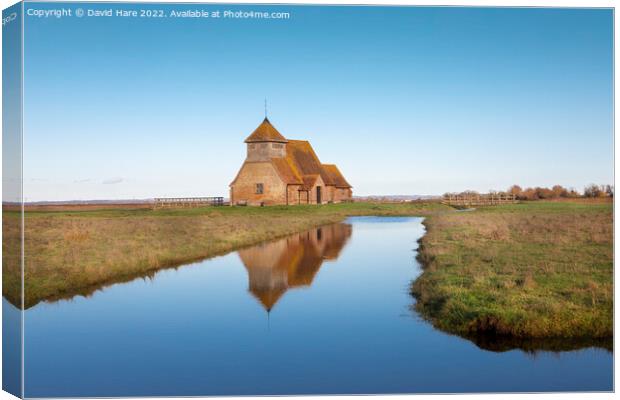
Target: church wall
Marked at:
331, 194
252, 173
294, 195
265, 151
303, 197
319, 182
342, 194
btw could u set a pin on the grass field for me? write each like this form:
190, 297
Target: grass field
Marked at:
530, 270
79, 250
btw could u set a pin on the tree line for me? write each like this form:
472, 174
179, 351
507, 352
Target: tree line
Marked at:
555, 192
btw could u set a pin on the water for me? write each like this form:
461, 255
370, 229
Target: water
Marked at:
325, 311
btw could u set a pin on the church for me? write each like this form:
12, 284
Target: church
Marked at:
280, 171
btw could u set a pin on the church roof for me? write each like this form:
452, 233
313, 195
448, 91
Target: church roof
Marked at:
287, 172
268, 297
309, 181
336, 176
301, 165
266, 133
302, 156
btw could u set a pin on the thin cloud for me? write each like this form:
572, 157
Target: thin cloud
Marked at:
112, 181
82, 180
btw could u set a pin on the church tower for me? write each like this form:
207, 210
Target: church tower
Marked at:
265, 143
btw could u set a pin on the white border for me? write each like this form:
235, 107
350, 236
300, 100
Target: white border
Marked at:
474, 3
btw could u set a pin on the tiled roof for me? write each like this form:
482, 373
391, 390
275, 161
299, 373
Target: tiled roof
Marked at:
286, 171
302, 156
265, 133
336, 176
309, 181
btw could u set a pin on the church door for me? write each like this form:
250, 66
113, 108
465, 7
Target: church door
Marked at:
318, 195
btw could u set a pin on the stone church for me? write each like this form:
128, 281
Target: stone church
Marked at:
282, 171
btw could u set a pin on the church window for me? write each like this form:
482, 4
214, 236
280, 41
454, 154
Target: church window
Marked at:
259, 188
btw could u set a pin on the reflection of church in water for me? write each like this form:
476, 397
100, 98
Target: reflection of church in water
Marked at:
275, 267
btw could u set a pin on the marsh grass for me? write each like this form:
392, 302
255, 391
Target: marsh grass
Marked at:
79, 251
529, 270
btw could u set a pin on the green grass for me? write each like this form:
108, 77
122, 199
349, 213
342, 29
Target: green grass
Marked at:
78, 252
531, 270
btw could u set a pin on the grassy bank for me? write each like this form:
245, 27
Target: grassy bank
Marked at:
531, 270
78, 251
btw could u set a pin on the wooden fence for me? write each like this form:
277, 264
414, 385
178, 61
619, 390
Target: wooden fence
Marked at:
474, 199
174, 202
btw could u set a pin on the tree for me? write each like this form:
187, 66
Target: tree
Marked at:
573, 193
559, 191
529, 194
515, 189
544, 193
592, 190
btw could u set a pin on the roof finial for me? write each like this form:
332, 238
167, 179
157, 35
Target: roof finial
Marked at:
265, 108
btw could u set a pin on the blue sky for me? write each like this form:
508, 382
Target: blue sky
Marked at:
404, 100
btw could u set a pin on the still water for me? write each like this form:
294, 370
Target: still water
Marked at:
324, 311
